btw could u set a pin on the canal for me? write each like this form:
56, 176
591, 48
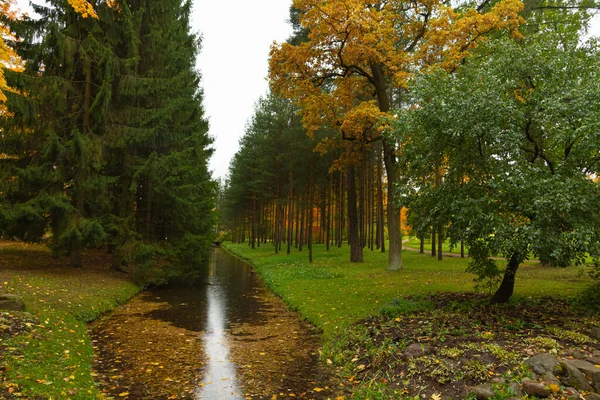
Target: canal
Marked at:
229, 338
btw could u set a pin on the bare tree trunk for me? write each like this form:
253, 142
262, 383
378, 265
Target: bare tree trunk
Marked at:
380, 217
310, 212
341, 208
329, 201
356, 250
302, 226
290, 211
438, 183
253, 237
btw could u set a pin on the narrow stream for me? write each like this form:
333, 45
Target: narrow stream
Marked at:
227, 339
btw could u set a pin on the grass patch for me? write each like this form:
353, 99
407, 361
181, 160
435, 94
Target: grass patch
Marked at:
53, 359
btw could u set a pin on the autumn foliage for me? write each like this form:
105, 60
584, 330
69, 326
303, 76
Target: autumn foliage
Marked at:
8, 58
333, 74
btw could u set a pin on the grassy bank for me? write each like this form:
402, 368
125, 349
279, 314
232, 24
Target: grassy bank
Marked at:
334, 293
49, 354
370, 316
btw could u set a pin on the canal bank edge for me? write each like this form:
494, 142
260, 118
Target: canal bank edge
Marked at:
46, 352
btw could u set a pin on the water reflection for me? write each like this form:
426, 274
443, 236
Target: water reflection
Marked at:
227, 339
220, 374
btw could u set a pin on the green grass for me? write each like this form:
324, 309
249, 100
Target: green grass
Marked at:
333, 293
54, 359
415, 243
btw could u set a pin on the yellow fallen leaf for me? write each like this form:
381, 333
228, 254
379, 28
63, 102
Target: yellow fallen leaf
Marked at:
123, 394
436, 396
318, 389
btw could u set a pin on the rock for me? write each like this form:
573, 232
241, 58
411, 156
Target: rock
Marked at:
416, 350
589, 369
594, 360
578, 355
592, 396
498, 379
550, 379
595, 333
536, 389
483, 392
572, 376
542, 363
571, 393
11, 302
516, 389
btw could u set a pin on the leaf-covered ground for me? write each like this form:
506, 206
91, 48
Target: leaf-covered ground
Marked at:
47, 352
463, 343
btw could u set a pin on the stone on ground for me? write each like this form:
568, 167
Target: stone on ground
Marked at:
483, 392
542, 363
536, 389
11, 302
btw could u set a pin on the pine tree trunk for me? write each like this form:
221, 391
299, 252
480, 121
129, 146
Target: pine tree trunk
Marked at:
507, 287
302, 217
440, 245
310, 212
356, 250
341, 208
290, 211
462, 249
438, 183
329, 209
148, 210
298, 212
253, 238
380, 217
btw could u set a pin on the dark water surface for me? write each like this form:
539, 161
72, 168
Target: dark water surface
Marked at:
227, 339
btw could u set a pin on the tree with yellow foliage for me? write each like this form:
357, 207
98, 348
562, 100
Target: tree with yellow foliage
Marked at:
358, 57
8, 58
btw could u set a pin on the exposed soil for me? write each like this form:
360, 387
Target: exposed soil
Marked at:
465, 342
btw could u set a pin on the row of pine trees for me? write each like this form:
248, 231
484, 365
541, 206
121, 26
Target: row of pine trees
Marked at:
104, 142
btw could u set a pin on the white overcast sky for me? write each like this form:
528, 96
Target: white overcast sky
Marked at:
237, 35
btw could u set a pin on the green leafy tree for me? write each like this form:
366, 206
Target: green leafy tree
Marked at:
518, 130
